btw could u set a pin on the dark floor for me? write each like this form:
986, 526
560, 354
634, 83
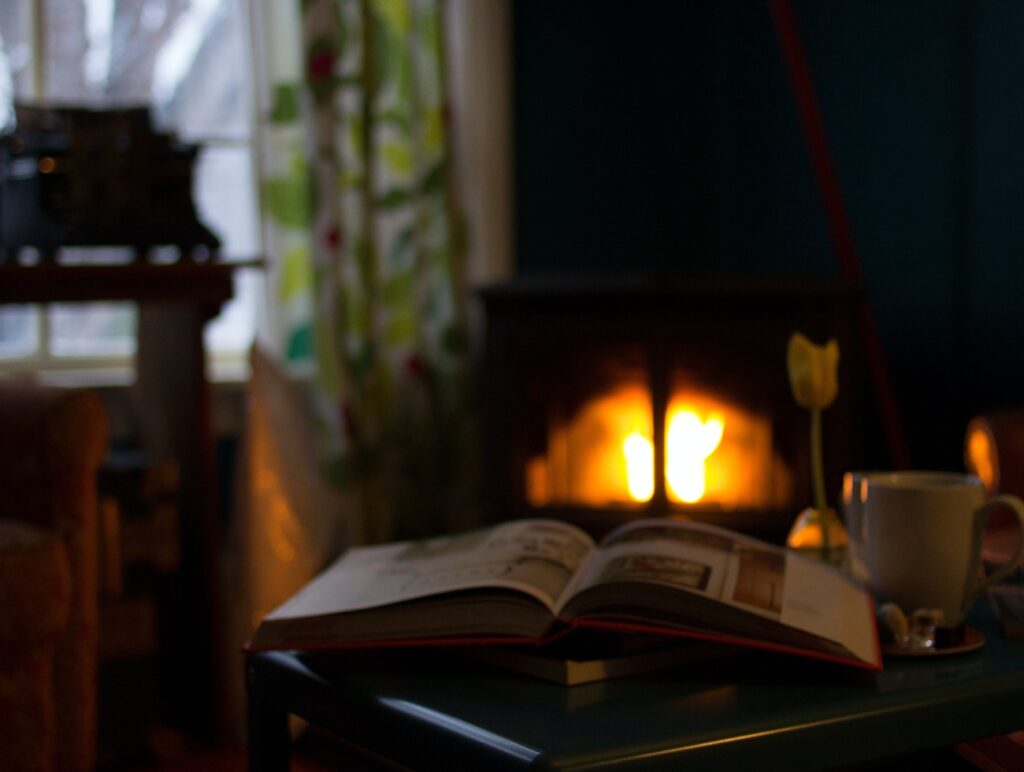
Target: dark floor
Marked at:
316, 754
312, 752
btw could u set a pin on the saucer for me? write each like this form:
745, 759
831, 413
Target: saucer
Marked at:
973, 640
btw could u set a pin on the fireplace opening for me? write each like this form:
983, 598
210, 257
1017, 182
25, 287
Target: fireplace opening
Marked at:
604, 404
714, 453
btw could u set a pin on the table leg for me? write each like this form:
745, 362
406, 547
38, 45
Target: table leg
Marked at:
268, 739
175, 416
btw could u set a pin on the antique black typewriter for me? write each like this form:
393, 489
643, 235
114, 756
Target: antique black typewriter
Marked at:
80, 177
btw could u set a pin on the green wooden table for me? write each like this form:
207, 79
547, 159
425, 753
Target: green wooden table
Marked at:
740, 711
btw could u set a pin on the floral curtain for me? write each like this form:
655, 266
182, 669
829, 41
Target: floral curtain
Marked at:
363, 227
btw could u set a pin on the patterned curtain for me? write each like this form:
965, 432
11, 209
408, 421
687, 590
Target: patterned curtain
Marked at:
365, 235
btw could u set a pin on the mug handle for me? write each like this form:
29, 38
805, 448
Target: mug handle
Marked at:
981, 517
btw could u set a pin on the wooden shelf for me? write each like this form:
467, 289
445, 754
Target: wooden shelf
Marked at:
205, 284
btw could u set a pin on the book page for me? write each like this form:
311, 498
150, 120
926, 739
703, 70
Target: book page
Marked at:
537, 557
821, 600
741, 572
683, 555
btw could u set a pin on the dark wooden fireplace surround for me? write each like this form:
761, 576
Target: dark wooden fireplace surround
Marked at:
559, 343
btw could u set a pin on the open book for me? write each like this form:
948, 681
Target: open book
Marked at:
534, 580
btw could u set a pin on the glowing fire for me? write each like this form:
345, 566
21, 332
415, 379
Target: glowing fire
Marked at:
688, 443
639, 453
715, 453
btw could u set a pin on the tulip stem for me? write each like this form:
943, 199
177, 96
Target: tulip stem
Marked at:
818, 480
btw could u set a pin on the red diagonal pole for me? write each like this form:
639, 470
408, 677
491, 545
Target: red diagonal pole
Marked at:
838, 222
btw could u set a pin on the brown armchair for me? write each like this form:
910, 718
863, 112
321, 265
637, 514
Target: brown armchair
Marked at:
52, 442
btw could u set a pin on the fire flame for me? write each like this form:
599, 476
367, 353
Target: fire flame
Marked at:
604, 456
688, 443
639, 453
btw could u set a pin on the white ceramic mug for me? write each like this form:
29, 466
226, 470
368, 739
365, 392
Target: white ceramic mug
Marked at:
852, 498
922, 539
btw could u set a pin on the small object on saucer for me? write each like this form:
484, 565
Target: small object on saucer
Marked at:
950, 636
969, 639
925, 624
924, 634
894, 623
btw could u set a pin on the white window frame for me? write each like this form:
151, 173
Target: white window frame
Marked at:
225, 365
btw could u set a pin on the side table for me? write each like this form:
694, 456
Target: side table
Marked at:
436, 712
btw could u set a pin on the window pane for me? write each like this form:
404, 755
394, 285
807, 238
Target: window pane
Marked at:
97, 255
15, 56
67, 46
232, 331
199, 88
92, 329
178, 56
226, 200
19, 331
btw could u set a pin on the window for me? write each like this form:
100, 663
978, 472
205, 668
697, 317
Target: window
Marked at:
182, 58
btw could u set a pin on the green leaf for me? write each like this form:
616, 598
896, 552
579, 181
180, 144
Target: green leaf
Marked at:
355, 133
395, 198
398, 290
385, 61
395, 13
288, 199
432, 180
398, 117
429, 23
440, 256
402, 64
341, 302
296, 279
401, 329
363, 359
400, 245
300, 344
349, 179
398, 157
285, 107
328, 371
433, 133
364, 260
356, 316
341, 29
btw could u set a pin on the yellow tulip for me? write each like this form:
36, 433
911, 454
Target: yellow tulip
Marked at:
813, 371
814, 380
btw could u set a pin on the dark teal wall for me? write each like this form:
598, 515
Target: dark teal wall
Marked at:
612, 173
660, 139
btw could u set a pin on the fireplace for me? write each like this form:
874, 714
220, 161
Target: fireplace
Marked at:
605, 403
